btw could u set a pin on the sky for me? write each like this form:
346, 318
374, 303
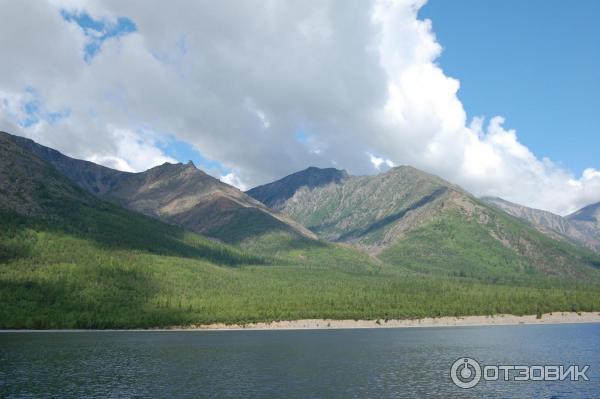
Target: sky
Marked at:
548, 90
496, 96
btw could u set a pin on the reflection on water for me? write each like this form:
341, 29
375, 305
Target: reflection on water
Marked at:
291, 364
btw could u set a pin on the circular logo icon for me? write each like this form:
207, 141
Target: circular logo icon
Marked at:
465, 373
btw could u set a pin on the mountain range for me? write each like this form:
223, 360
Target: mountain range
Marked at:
84, 245
179, 194
408, 217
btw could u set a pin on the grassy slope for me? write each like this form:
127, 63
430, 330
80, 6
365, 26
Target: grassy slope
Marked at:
497, 250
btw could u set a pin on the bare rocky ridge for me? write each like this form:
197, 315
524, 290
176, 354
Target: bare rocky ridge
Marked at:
275, 194
581, 227
176, 193
590, 213
184, 195
370, 210
587, 221
94, 178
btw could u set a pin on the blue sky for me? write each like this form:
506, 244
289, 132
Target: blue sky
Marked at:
97, 31
535, 62
184, 152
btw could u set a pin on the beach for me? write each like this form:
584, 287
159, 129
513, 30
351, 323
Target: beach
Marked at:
501, 319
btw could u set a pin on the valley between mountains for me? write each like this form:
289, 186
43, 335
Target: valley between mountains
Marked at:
85, 246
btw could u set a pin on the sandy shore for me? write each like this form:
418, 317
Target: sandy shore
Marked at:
319, 324
502, 319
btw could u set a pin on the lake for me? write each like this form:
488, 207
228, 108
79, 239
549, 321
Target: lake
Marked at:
360, 363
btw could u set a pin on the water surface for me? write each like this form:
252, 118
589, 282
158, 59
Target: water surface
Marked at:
362, 363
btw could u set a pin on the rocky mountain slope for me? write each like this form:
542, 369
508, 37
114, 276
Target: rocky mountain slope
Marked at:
186, 196
582, 227
29, 186
94, 178
175, 193
275, 194
408, 217
590, 214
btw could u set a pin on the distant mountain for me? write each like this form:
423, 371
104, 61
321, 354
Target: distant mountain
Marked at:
411, 218
588, 222
590, 214
546, 222
582, 227
176, 193
277, 193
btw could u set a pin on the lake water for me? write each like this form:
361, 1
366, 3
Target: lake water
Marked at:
377, 363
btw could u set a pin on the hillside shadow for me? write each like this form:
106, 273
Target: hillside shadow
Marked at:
11, 249
87, 298
245, 223
114, 228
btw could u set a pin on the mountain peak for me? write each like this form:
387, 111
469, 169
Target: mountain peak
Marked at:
413, 175
590, 213
276, 193
176, 168
168, 164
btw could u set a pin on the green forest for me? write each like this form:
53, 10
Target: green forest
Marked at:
100, 266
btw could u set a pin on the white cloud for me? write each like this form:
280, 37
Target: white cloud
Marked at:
134, 151
233, 180
239, 80
379, 162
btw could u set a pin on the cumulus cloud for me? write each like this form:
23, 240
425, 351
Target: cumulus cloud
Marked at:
233, 180
379, 162
265, 88
134, 151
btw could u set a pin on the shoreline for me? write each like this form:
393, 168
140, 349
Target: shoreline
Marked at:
328, 324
